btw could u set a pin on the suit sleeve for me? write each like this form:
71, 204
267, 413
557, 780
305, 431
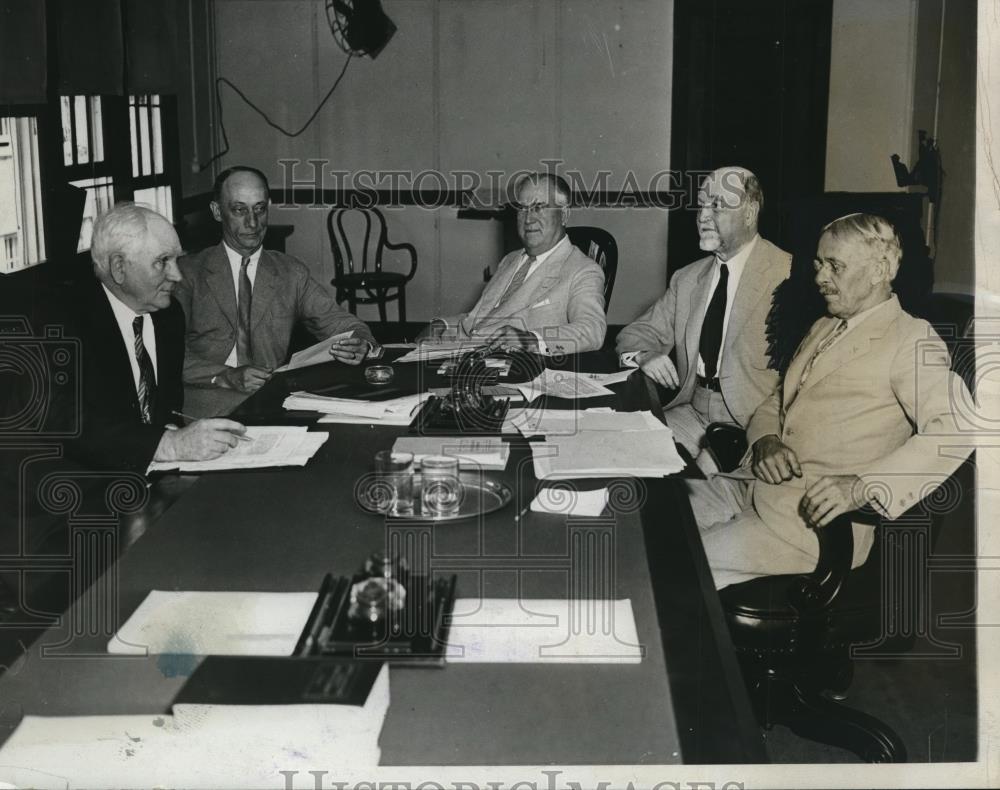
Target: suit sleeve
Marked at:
321, 314
927, 391
654, 329
198, 370
586, 321
766, 420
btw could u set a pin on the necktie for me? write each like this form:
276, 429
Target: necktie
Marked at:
147, 378
823, 346
516, 281
710, 342
244, 300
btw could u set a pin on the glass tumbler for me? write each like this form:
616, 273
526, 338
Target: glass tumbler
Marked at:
394, 474
441, 490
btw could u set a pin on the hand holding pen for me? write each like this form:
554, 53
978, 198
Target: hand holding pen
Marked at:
201, 440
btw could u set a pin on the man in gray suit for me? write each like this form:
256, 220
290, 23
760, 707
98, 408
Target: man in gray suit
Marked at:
713, 316
547, 297
241, 301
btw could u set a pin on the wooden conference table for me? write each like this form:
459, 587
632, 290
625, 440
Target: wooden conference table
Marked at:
283, 529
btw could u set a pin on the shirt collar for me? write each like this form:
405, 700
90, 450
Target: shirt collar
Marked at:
540, 258
124, 314
736, 262
857, 318
236, 258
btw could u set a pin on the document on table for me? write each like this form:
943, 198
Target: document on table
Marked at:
440, 349
388, 411
484, 453
607, 454
562, 501
268, 445
563, 384
215, 623
565, 422
314, 355
543, 631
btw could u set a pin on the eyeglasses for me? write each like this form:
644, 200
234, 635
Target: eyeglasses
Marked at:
534, 209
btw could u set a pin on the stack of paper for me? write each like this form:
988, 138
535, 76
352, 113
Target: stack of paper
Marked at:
198, 746
441, 349
564, 384
398, 411
314, 355
607, 454
264, 445
471, 453
565, 422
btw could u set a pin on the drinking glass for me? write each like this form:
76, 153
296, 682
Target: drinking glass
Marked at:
441, 492
394, 472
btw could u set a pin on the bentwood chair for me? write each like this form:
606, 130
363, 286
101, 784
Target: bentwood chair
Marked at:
364, 275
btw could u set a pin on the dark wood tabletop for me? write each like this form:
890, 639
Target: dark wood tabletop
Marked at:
283, 529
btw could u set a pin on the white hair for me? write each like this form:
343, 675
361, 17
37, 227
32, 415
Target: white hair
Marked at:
118, 230
876, 232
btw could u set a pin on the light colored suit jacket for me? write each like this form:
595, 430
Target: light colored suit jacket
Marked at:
674, 322
562, 300
877, 404
283, 293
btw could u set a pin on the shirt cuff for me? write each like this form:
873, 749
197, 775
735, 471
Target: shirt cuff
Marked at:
627, 359
543, 348
375, 351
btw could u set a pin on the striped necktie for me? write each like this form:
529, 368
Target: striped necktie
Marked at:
243, 304
823, 346
147, 378
516, 281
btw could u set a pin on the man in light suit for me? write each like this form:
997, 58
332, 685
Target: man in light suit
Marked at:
863, 416
547, 297
242, 301
713, 316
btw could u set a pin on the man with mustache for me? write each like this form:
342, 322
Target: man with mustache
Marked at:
863, 416
713, 315
547, 297
242, 301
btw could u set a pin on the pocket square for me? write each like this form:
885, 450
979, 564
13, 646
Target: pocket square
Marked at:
541, 303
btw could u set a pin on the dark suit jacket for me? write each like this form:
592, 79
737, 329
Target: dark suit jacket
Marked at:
283, 293
112, 434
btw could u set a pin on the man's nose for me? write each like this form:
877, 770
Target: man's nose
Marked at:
174, 272
703, 213
253, 219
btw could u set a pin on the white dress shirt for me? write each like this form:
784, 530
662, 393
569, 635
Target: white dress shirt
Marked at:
235, 263
856, 319
735, 264
124, 316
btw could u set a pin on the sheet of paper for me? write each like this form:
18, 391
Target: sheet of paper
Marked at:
215, 623
396, 407
606, 454
354, 419
399, 345
268, 445
314, 355
563, 384
608, 378
543, 631
440, 349
563, 502
472, 453
565, 422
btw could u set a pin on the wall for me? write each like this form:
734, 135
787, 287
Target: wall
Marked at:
194, 96
463, 86
883, 89
871, 93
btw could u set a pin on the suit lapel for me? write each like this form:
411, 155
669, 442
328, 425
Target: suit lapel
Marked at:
749, 291
219, 278
803, 354
547, 276
696, 313
265, 284
108, 346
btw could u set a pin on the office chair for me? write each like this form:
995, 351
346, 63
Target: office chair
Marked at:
379, 287
600, 246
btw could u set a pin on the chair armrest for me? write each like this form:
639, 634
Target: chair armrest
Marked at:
727, 444
813, 592
411, 250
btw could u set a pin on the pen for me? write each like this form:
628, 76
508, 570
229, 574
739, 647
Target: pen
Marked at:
189, 418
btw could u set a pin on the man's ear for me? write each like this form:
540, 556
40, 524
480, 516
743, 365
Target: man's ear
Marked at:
565, 215
753, 211
116, 267
216, 212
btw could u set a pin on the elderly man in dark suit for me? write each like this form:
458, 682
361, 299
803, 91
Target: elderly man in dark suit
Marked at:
242, 301
713, 316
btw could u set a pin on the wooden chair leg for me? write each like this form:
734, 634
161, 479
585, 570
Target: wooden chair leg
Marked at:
402, 303
352, 304
381, 305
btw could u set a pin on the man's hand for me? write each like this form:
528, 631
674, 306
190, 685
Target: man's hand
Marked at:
832, 496
511, 337
773, 461
659, 368
433, 331
202, 440
349, 350
245, 378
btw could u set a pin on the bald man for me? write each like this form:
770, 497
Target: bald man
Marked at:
713, 316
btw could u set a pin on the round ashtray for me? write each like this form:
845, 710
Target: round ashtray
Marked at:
378, 374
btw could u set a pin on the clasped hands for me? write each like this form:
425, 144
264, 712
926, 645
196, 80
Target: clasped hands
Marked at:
824, 500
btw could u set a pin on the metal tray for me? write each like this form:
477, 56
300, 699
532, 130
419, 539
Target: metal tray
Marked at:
483, 494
